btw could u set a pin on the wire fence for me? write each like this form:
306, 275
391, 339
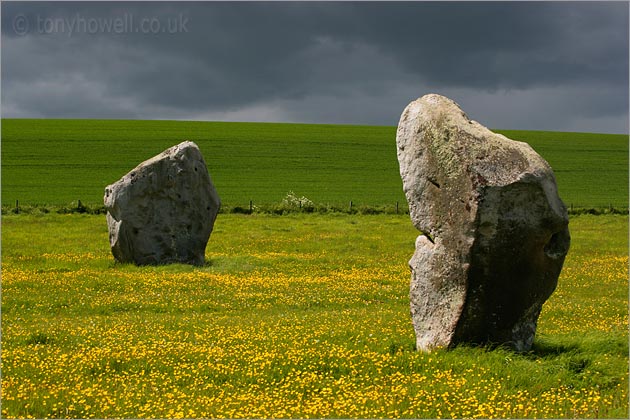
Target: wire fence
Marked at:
284, 207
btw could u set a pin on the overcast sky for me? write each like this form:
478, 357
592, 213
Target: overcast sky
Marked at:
536, 66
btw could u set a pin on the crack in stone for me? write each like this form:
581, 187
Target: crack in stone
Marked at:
434, 183
429, 237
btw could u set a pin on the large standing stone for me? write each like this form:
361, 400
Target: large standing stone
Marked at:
163, 210
495, 232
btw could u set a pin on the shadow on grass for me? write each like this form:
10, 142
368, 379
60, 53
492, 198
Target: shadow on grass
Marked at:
592, 344
544, 349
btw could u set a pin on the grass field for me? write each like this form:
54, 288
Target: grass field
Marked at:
294, 316
62, 161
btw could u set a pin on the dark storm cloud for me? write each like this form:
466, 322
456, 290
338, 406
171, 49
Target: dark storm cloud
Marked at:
323, 62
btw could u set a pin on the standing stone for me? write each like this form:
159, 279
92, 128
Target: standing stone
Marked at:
163, 210
494, 231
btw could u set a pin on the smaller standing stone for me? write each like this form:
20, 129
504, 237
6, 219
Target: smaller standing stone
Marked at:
163, 211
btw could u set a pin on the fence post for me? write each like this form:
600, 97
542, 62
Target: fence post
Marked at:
396, 207
17, 207
350, 206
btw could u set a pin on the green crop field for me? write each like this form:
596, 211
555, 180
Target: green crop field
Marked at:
294, 316
57, 162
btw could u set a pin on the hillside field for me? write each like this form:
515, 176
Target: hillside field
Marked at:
301, 316
58, 162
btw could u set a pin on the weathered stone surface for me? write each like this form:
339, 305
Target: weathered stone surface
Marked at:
495, 232
163, 211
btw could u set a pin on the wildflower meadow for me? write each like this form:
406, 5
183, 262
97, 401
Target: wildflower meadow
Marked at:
300, 316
